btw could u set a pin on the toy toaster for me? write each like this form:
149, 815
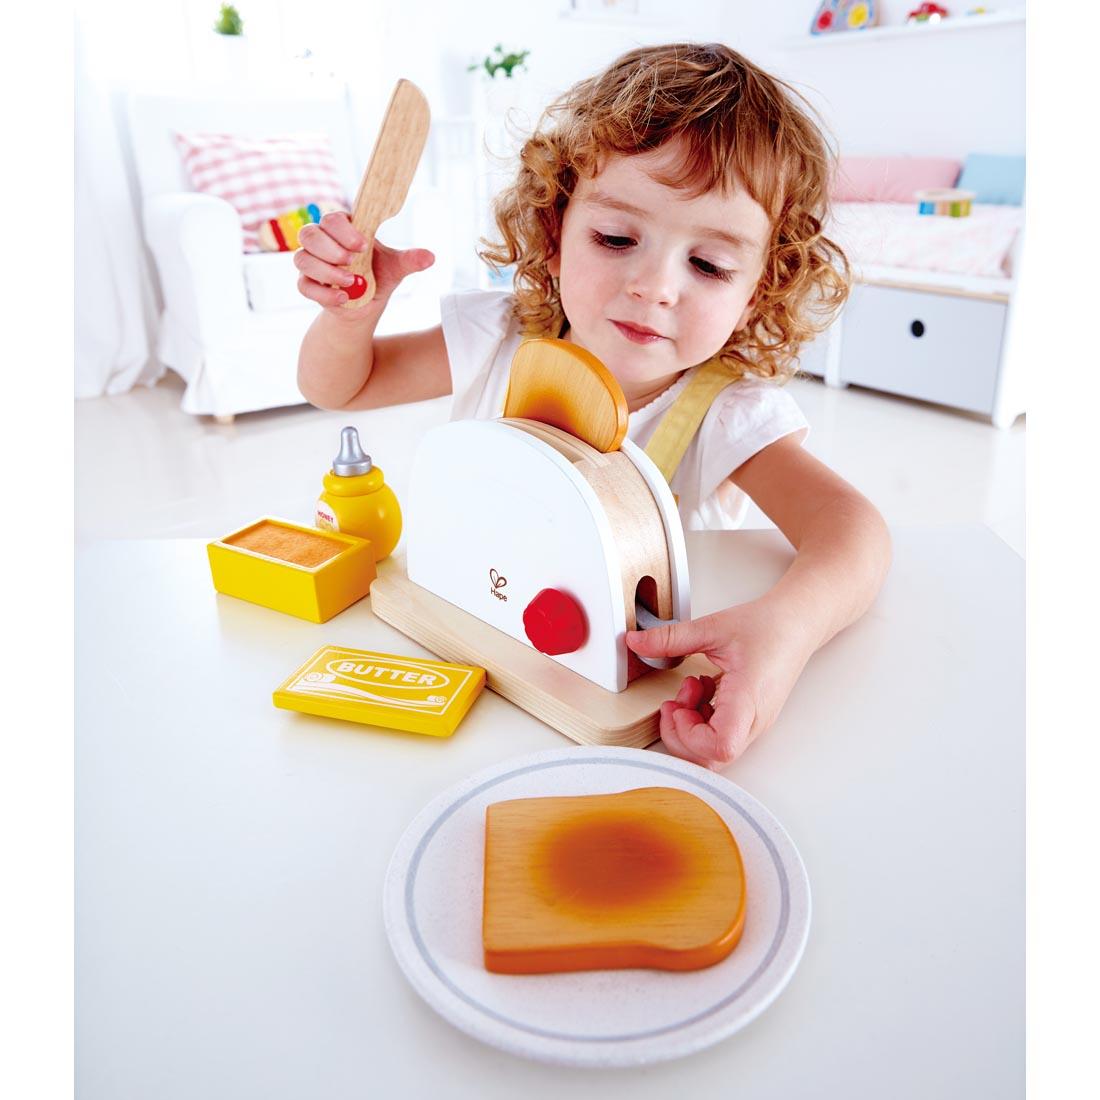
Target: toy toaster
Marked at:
548, 523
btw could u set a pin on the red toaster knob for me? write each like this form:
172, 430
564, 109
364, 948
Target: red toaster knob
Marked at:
555, 622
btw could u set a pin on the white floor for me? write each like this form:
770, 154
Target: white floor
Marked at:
145, 469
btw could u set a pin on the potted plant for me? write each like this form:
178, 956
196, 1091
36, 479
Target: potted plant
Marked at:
229, 22
231, 56
500, 62
497, 96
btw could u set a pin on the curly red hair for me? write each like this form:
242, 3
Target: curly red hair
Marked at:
741, 128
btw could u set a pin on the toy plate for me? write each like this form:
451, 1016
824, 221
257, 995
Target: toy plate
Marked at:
432, 905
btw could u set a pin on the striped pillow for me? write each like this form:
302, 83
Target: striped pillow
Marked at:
262, 177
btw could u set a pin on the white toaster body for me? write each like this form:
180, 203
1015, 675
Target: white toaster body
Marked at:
495, 515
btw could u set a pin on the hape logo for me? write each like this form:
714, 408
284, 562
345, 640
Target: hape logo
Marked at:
498, 583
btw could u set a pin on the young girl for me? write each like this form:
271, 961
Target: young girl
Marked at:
667, 217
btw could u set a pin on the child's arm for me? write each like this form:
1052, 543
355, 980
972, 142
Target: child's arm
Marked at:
843, 554
341, 365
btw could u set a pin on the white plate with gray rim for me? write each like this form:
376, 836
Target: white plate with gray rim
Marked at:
601, 1018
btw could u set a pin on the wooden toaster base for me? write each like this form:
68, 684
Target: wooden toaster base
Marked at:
539, 685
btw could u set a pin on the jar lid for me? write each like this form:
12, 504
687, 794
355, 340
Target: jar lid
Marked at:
351, 462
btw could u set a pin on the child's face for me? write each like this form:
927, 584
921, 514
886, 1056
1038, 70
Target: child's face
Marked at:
636, 255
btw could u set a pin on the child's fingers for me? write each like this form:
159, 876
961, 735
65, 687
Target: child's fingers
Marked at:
672, 738
328, 296
690, 693
318, 242
711, 735
701, 738
320, 271
339, 226
729, 718
696, 692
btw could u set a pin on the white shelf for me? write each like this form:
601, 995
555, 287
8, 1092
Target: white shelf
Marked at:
610, 19
906, 30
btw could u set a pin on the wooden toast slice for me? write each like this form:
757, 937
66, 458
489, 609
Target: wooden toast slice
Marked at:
644, 878
562, 384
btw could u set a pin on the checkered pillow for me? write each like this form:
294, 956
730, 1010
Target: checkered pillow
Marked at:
262, 177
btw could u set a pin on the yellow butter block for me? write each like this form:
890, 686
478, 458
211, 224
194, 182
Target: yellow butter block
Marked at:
380, 689
291, 568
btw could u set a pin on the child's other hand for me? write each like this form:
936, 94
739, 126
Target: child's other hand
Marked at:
326, 250
760, 653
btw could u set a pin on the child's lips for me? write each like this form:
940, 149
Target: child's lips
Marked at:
637, 335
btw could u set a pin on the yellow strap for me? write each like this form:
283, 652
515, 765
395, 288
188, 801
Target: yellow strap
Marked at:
680, 423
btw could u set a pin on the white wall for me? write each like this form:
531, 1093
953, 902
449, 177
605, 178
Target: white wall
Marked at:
433, 45
370, 43
946, 94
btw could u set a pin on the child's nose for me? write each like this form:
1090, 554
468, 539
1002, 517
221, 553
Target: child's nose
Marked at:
653, 283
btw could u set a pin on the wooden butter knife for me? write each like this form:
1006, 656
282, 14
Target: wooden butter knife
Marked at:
386, 181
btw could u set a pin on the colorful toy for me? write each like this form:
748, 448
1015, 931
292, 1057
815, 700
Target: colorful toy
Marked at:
532, 498
531, 550
291, 568
948, 201
357, 499
927, 13
844, 15
281, 234
386, 181
644, 878
381, 689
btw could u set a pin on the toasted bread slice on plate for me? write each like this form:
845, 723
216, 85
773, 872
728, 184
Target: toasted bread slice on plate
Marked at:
641, 878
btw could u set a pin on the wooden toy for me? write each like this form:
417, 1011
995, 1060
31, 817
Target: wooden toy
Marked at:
946, 201
291, 568
386, 181
927, 13
544, 384
844, 15
356, 498
531, 553
502, 513
381, 689
644, 878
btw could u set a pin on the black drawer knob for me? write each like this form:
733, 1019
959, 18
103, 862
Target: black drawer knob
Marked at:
917, 328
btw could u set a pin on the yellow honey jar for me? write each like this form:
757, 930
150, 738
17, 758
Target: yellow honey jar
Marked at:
357, 500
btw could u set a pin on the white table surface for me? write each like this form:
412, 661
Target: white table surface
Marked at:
230, 856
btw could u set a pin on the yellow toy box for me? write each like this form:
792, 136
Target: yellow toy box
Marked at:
298, 570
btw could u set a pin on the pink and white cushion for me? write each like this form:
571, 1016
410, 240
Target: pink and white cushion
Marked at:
891, 179
262, 177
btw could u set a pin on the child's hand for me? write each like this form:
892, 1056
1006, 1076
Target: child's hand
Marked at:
761, 654
327, 248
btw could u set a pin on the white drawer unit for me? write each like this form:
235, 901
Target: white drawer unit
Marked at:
812, 356
935, 347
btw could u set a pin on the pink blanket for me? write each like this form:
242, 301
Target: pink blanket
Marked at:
887, 234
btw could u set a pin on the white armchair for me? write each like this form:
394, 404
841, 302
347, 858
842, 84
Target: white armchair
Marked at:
231, 322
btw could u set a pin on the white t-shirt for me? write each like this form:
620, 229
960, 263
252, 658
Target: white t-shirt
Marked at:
482, 336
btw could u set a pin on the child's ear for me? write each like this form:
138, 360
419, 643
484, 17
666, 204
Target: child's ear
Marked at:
553, 265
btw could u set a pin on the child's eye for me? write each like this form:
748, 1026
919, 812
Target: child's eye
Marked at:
711, 271
608, 241
620, 244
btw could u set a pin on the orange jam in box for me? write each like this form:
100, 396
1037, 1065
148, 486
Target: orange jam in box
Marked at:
287, 567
